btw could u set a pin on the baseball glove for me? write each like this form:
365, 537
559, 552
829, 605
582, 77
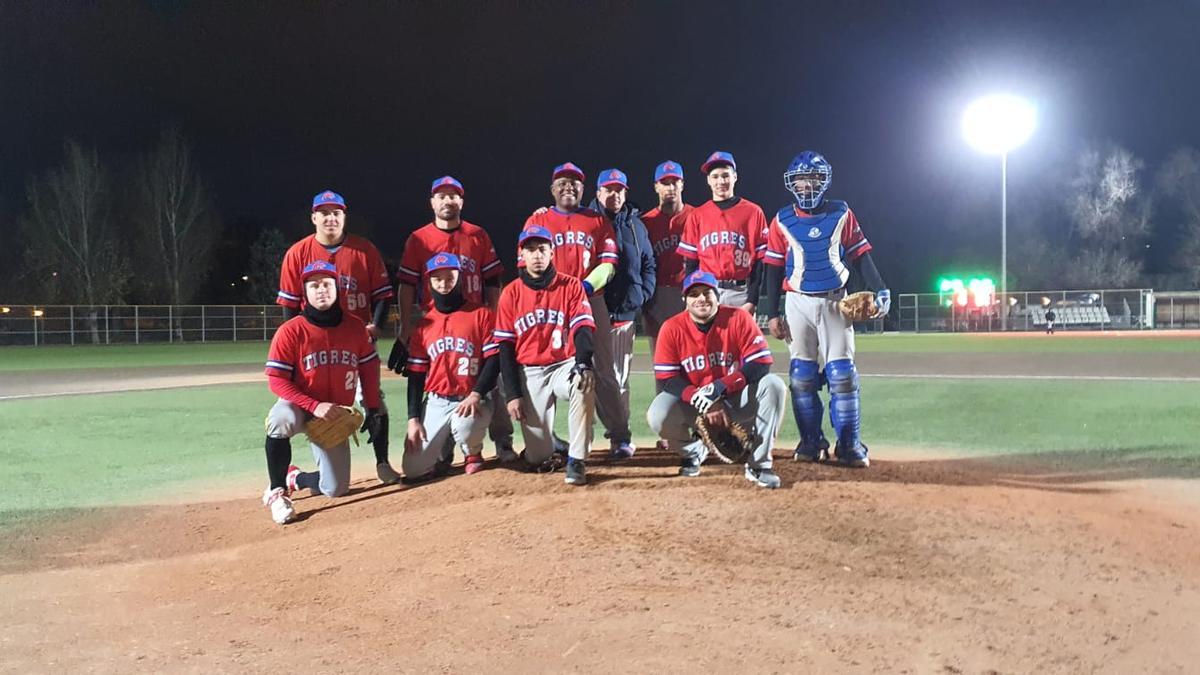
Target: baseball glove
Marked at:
859, 306
334, 432
733, 443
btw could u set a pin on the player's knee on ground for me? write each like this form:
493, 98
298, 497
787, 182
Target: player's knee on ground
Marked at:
285, 420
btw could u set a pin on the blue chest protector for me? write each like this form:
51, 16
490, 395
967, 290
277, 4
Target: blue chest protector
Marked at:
818, 237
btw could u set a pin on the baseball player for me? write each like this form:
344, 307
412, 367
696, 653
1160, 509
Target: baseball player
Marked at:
316, 362
813, 247
664, 224
479, 281
631, 287
366, 289
544, 328
452, 373
726, 236
713, 360
585, 247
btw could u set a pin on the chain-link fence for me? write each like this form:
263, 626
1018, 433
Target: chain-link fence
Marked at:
1100, 309
136, 324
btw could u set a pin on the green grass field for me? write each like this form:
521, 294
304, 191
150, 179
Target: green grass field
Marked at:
13, 359
103, 449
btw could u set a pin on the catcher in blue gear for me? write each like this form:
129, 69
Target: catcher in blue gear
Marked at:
813, 248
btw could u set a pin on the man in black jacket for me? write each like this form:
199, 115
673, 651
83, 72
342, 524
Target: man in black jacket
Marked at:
631, 287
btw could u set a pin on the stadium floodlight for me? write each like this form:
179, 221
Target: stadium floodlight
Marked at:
996, 125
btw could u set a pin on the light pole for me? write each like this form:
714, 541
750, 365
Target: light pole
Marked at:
995, 125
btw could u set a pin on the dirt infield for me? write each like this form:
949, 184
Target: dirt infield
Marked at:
916, 565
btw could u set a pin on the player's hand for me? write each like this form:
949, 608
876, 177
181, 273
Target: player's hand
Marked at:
706, 396
414, 438
469, 407
716, 416
583, 377
373, 331
329, 411
778, 329
883, 302
371, 424
516, 410
398, 358
749, 307
540, 210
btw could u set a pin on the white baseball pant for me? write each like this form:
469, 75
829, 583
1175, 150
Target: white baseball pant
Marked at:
761, 403
444, 430
819, 331
544, 387
287, 419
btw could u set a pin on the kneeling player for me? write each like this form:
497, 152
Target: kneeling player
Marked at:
544, 327
314, 366
450, 359
712, 360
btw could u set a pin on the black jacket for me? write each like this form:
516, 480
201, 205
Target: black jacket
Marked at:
632, 285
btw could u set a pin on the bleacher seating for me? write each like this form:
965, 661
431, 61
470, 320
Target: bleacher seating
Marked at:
1081, 315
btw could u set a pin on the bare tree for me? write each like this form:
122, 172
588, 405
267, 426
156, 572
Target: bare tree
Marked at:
70, 230
266, 257
1179, 182
175, 216
1110, 217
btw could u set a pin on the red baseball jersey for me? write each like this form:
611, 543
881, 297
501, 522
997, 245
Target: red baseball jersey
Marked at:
783, 248
451, 347
541, 323
582, 240
468, 241
726, 242
665, 231
362, 277
325, 363
701, 357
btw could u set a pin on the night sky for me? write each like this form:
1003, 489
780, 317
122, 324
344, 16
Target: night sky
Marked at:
284, 99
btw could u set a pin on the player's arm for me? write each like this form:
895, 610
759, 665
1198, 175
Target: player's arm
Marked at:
408, 273
492, 271
418, 371
290, 289
368, 373
607, 257
378, 315
687, 244
648, 263
754, 285
599, 277
408, 296
858, 252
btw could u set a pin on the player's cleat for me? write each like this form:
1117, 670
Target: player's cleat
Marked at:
506, 454
474, 464
281, 507
660, 445
292, 474
550, 465
812, 452
856, 457
561, 447
622, 451
689, 466
576, 472
387, 475
763, 477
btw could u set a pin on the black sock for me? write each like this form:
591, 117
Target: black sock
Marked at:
279, 458
310, 480
381, 441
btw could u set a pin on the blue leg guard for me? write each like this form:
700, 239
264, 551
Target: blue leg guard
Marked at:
806, 406
844, 412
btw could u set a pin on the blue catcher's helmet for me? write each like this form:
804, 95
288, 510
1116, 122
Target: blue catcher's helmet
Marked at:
808, 196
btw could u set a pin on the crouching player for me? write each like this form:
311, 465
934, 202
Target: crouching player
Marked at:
712, 360
314, 365
451, 369
544, 327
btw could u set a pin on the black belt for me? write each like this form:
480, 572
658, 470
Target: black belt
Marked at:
732, 285
452, 399
825, 294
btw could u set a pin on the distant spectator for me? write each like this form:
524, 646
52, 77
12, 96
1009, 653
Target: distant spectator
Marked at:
1050, 316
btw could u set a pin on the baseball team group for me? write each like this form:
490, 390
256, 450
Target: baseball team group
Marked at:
479, 355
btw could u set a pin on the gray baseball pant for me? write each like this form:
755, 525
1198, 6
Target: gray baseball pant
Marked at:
761, 403
734, 297
544, 387
285, 420
445, 430
608, 392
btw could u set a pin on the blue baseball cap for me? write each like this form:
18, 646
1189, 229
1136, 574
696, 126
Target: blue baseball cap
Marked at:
443, 261
612, 177
718, 158
699, 277
567, 169
328, 198
535, 232
446, 182
668, 169
316, 269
